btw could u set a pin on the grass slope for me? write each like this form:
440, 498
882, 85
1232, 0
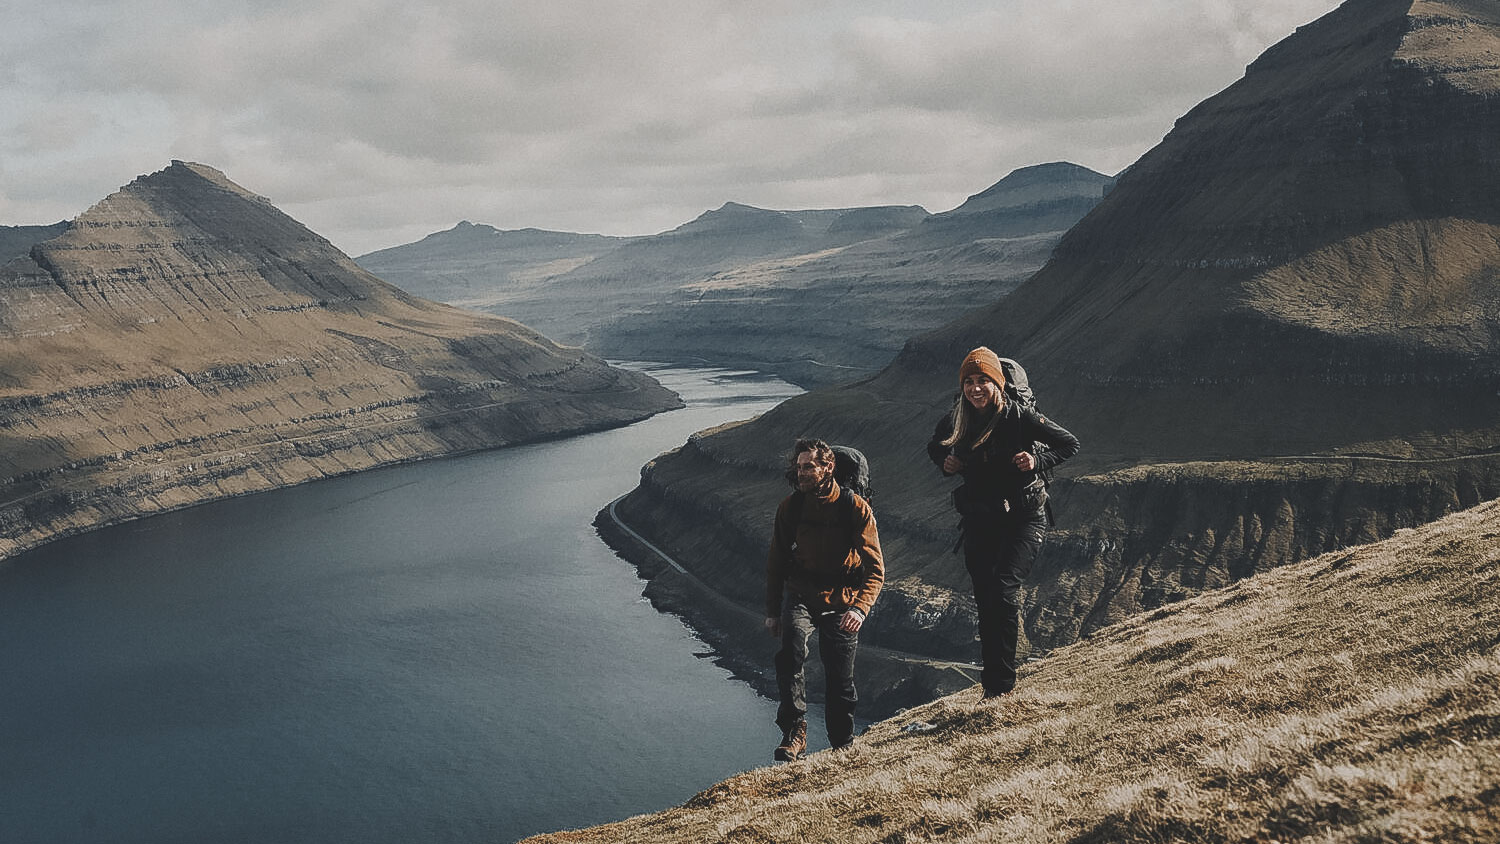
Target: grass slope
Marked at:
1354, 697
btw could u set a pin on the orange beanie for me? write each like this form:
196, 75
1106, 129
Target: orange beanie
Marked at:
984, 362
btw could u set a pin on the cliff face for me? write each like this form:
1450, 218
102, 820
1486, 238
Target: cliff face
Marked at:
184, 340
1278, 334
819, 297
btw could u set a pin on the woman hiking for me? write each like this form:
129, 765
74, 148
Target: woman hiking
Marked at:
992, 442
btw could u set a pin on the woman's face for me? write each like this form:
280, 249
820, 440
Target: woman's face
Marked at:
981, 392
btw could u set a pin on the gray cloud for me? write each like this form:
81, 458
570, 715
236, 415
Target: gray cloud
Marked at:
377, 122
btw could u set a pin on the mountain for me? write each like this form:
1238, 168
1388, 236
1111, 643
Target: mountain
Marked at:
1351, 697
16, 241
734, 234
567, 285
1319, 231
184, 340
1044, 197
481, 267
1278, 335
818, 296
842, 312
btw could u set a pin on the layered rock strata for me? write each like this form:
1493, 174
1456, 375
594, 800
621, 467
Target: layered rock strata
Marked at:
1279, 334
184, 340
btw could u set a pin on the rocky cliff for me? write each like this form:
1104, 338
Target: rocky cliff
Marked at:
819, 296
184, 340
1277, 335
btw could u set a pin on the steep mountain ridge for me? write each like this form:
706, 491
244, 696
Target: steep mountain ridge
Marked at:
1279, 333
184, 340
1203, 281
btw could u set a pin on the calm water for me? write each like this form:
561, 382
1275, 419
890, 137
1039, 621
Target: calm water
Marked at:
429, 653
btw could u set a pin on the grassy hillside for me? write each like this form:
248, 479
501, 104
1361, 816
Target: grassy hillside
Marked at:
1353, 697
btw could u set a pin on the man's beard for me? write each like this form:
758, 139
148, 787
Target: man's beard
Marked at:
820, 487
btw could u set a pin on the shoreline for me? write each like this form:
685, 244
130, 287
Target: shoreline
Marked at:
17, 548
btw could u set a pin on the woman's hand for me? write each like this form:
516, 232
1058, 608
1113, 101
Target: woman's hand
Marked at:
1025, 461
952, 465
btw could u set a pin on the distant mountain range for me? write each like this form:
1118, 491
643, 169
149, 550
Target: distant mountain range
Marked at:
184, 340
1277, 335
819, 296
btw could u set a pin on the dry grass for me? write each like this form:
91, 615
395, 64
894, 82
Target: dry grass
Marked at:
1351, 698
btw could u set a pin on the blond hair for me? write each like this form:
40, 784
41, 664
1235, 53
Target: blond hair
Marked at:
965, 417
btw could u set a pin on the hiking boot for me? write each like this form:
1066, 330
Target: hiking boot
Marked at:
993, 693
793, 742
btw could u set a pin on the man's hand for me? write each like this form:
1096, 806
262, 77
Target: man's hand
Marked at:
851, 621
773, 626
1025, 461
952, 465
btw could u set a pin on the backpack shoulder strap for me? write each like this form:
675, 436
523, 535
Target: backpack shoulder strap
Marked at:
794, 514
850, 514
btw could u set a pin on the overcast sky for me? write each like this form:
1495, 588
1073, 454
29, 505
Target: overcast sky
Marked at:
376, 123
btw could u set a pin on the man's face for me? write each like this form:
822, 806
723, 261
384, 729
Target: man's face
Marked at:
811, 472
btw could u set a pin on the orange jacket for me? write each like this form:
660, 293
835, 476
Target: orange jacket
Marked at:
829, 563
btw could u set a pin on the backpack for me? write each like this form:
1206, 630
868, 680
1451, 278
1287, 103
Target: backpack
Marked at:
1018, 390
852, 472
1017, 387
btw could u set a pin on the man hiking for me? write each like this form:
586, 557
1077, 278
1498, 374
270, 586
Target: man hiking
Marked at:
823, 574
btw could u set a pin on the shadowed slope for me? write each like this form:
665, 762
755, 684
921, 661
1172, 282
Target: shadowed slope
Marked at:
1322, 230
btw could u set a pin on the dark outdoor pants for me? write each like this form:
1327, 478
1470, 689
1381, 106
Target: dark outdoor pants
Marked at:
836, 650
998, 553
